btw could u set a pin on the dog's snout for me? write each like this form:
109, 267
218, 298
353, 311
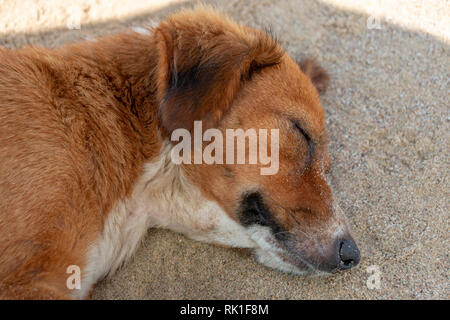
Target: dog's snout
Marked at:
348, 254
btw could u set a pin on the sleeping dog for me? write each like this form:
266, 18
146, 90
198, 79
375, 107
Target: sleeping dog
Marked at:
86, 154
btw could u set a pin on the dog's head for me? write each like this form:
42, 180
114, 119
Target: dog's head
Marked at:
233, 77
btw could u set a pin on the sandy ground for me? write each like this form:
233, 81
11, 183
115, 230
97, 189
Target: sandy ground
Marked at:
388, 117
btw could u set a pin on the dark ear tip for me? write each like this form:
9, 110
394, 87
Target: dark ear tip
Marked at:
316, 73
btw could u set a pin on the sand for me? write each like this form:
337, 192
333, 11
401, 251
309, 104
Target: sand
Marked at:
387, 110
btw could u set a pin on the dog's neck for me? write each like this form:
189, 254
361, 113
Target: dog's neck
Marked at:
129, 63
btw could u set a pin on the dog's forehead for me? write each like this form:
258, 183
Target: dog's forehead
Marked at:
276, 96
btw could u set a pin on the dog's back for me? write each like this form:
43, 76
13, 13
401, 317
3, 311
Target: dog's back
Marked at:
58, 115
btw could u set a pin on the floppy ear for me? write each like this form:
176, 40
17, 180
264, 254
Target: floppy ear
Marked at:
316, 73
202, 60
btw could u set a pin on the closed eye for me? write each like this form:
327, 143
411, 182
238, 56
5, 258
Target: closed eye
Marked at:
307, 138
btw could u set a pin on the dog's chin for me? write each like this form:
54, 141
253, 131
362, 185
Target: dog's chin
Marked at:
277, 261
283, 262
271, 253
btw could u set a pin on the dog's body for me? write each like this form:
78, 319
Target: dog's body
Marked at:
85, 165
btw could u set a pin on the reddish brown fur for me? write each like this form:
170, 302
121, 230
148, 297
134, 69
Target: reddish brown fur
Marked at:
315, 72
214, 54
71, 146
78, 122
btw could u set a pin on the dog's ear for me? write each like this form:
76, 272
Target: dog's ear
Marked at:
316, 73
203, 58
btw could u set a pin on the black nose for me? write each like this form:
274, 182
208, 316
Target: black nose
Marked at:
348, 254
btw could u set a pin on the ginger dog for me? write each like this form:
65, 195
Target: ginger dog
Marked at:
85, 154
